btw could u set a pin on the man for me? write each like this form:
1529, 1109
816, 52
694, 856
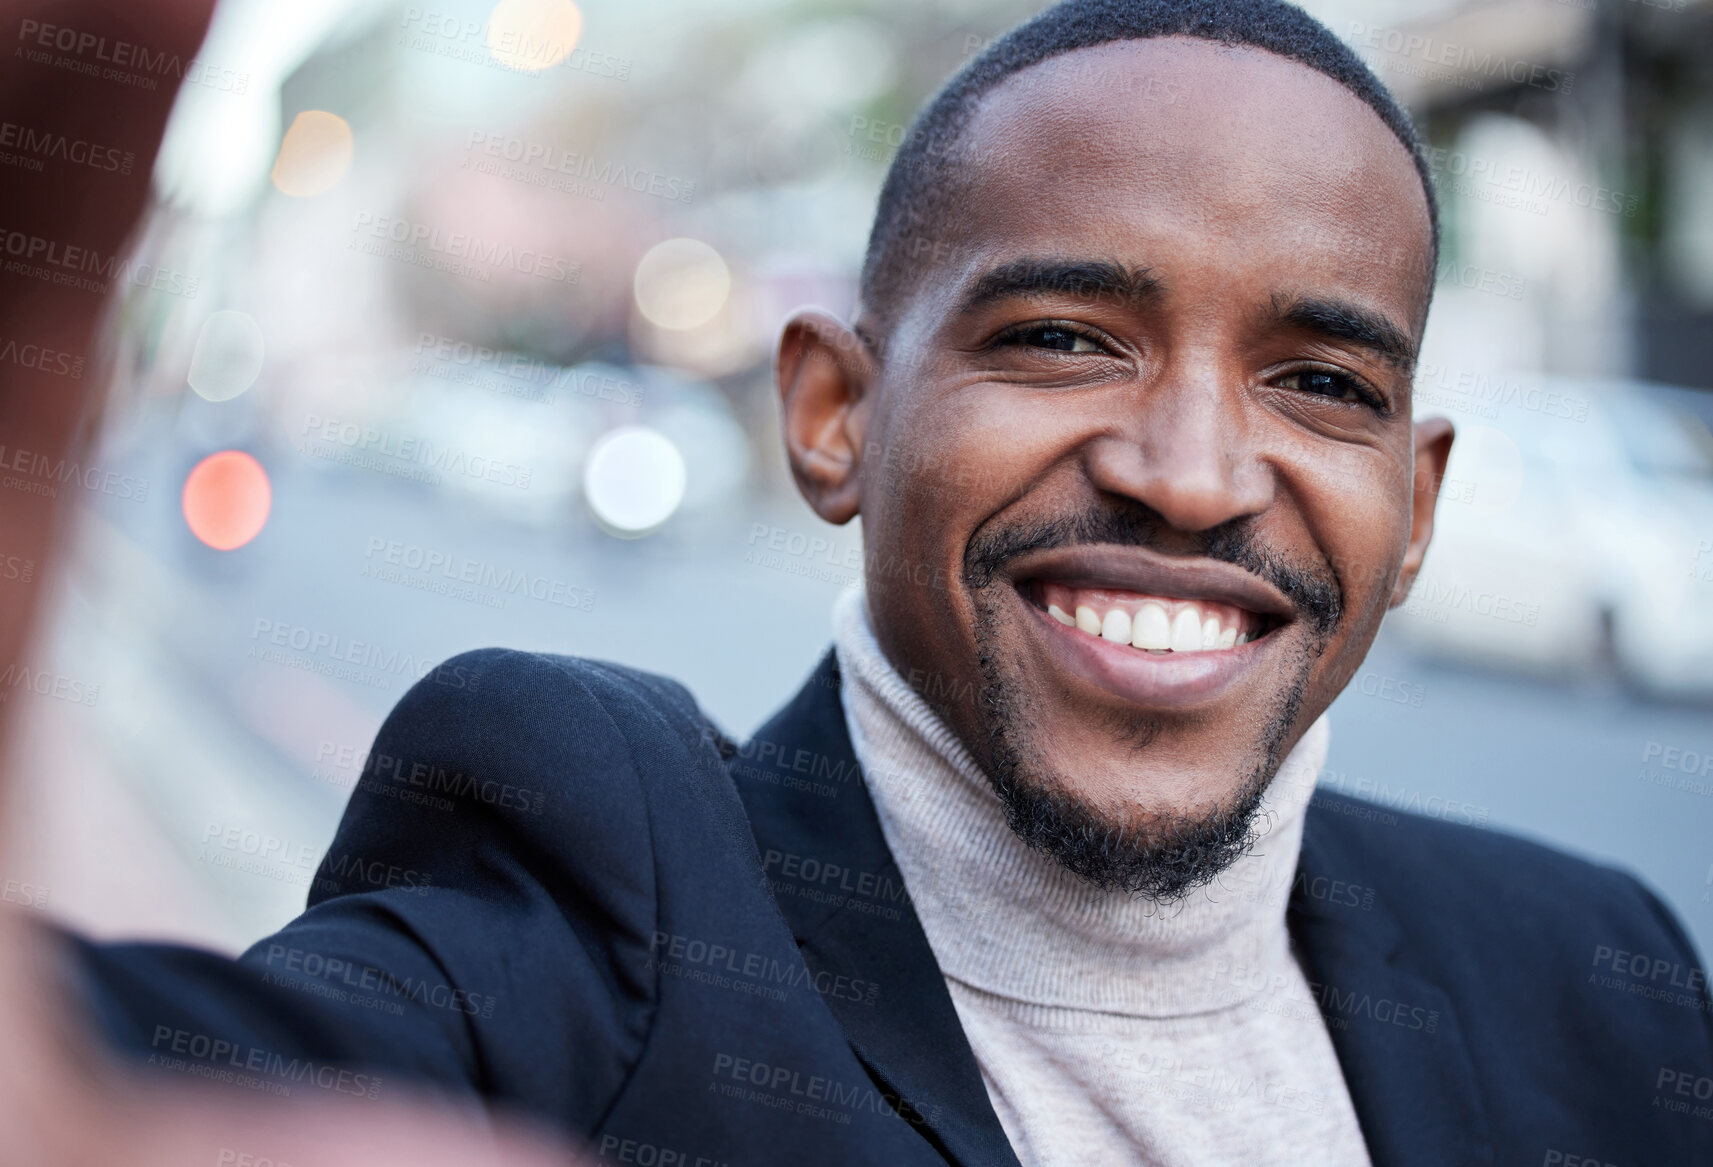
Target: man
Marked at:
1029, 870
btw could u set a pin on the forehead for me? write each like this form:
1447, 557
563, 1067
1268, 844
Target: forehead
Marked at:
1206, 163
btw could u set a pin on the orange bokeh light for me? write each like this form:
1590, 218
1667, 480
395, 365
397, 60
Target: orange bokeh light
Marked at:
227, 498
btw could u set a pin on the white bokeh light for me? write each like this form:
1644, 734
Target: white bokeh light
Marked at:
634, 480
228, 355
681, 283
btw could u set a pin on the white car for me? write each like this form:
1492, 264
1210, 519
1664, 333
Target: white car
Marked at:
1574, 529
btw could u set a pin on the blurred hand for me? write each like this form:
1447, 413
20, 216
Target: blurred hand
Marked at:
63, 1102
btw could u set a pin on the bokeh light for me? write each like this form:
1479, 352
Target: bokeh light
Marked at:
226, 499
228, 355
681, 283
634, 480
314, 155
532, 35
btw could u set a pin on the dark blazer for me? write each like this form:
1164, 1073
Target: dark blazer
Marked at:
558, 887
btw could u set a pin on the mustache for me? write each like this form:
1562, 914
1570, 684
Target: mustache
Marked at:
1313, 589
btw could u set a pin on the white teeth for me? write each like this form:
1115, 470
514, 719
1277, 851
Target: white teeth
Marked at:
1186, 630
1151, 628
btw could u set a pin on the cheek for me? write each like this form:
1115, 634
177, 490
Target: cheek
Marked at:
1356, 505
952, 465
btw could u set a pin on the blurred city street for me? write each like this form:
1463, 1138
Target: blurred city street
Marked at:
492, 339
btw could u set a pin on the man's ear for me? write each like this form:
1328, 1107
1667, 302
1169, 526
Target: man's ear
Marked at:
1433, 450
825, 371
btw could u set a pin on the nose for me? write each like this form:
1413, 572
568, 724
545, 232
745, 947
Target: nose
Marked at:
1184, 448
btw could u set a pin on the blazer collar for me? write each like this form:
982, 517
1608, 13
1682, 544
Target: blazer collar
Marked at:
844, 898
1395, 1031
835, 880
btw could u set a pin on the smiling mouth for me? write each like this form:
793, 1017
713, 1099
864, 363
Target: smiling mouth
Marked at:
1155, 624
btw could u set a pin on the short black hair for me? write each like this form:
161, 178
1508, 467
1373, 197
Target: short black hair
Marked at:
914, 197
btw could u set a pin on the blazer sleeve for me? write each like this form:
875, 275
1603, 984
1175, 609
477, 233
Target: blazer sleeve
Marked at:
482, 920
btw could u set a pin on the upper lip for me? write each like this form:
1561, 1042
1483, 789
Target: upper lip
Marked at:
1149, 572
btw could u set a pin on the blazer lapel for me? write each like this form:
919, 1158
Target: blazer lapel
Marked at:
1396, 1033
844, 898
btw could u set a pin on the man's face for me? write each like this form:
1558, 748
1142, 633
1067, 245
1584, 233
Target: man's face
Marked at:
1136, 469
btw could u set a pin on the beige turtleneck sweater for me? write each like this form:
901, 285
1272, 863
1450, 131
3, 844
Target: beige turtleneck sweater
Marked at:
1108, 1030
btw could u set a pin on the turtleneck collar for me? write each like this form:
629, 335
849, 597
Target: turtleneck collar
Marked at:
1007, 920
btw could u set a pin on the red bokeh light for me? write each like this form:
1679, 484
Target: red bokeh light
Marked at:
227, 498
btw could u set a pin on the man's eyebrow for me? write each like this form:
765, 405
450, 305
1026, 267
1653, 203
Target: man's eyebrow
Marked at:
1342, 320
1082, 279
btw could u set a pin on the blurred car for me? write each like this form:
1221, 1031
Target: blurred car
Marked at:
1574, 532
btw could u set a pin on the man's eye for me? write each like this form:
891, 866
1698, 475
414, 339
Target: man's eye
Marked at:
1323, 383
1056, 337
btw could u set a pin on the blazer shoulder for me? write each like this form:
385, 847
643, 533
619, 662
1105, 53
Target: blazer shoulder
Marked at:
569, 760
524, 706
490, 680
1442, 877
